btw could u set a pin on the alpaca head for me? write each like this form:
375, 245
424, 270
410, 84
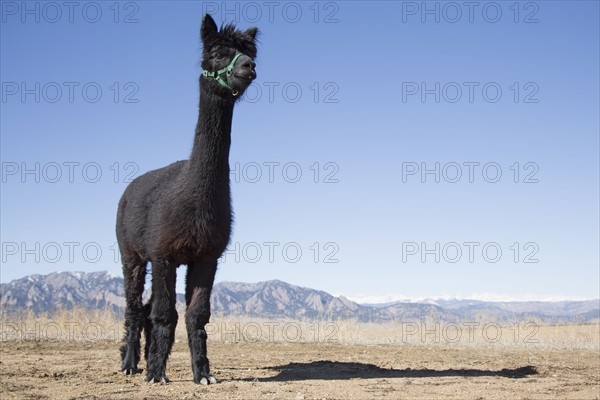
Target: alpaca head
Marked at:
227, 58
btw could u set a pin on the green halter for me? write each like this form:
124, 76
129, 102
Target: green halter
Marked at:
228, 70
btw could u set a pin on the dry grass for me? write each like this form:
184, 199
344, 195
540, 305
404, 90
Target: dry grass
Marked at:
347, 332
68, 325
79, 325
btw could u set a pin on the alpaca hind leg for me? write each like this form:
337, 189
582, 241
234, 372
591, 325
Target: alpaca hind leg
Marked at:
163, 320
199, 282
134, 276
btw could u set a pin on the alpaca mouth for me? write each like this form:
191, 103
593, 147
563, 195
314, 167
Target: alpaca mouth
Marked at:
246, 77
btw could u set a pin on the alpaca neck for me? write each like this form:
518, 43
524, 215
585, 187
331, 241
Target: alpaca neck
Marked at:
209, 162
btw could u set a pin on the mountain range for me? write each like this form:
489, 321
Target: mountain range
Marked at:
276, 300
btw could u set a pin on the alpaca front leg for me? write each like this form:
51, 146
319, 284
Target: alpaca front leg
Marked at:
199, 284
134, 276
162, 320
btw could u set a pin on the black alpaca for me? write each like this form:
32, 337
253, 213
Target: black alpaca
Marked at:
181, 214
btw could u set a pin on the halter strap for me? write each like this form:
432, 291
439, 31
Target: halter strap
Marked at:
227, 70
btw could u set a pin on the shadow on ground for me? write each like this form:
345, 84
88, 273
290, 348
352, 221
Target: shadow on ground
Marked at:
350, 370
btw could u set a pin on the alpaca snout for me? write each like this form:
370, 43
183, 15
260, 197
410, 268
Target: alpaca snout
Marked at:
247, 68
249, 64
247, 74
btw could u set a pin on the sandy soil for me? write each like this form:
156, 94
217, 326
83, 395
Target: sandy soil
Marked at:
80, 370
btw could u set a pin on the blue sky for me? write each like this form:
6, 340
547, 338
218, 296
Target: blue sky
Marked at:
354, 103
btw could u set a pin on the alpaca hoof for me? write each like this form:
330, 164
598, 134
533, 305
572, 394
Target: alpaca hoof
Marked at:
131, 371
162, 380
208, 381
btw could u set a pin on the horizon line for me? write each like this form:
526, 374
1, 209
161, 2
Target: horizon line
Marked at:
374, 300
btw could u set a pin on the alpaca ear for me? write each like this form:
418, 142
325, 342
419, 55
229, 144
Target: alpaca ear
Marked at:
208, 26
252, 32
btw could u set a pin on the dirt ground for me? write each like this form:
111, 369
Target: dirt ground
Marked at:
84, 370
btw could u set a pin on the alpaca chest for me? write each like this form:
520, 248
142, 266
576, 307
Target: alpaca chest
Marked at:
198, 234
212, 232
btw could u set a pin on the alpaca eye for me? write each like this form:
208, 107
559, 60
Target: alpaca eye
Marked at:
219, 56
